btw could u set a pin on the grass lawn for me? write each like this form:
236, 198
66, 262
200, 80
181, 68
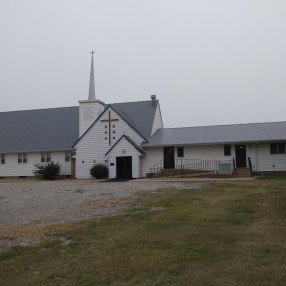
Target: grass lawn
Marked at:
229, 233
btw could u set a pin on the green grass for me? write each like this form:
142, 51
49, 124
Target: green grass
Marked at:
272, 177
229, 233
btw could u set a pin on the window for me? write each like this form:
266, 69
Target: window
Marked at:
68, 155
180, 151
227, 150
2, 158
277, 148
22, 158
46, 157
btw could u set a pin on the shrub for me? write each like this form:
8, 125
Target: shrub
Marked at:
47, 171
99, 171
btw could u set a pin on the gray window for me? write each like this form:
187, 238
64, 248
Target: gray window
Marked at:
180, 151
46, 157
2, 158
277, 148
67, 156
22, 158
227, 150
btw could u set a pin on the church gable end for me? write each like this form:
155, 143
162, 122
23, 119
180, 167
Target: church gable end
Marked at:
99, 138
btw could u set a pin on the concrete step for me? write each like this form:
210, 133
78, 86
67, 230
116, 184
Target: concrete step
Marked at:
242, 172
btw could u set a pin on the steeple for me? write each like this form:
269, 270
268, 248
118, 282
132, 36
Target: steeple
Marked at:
90, 109
91, 93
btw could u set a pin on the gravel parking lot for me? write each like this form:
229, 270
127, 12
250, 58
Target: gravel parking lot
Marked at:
41, 203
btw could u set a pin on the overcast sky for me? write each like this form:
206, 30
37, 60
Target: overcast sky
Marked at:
208, 62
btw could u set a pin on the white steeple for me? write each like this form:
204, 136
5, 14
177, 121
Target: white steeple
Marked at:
91, 93
90, 109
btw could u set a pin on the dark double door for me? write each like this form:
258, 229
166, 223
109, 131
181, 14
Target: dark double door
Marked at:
169, 158
240, 155
124, 167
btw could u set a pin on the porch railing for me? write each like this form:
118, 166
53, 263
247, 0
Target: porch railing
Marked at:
191, 166
250, 165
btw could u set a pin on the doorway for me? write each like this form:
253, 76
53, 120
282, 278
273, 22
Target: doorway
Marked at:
169, 158
124, 167
240, 155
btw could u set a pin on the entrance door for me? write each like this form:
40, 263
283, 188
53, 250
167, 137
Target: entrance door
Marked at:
123, 167
73, 167
169, 158
240, 154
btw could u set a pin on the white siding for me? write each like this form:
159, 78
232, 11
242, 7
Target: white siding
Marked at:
92, 147
88, 113
129, 150
158, 123
267, 160
12, 168
153, 155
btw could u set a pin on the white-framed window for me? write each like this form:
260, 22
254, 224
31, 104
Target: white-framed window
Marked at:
2, 159
22, 158
68, 156
45, 157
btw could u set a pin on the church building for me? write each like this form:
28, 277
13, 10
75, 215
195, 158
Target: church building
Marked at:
131, 140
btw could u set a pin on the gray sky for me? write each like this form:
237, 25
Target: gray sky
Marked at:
208, 62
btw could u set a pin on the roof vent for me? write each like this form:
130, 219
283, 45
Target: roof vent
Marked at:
153, 97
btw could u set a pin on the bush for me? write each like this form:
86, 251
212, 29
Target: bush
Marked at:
99, 171
47, 171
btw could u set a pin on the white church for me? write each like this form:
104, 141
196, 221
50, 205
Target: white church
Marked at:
131, 140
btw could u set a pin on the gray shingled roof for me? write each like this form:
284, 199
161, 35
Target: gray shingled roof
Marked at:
140, 115
39, 130
252, 132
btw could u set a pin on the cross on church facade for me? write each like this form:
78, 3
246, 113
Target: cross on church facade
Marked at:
109, 120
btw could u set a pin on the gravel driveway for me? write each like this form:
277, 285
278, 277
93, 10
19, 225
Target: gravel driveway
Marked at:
42, 203
58, 201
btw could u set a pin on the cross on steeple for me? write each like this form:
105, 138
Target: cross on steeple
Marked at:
109, 120
92, 52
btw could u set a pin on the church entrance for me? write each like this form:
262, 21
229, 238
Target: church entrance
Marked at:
169, 158
123, 167
240, 154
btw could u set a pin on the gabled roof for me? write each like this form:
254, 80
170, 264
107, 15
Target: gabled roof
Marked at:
252, 132
140, 115
39, 130
139, 149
